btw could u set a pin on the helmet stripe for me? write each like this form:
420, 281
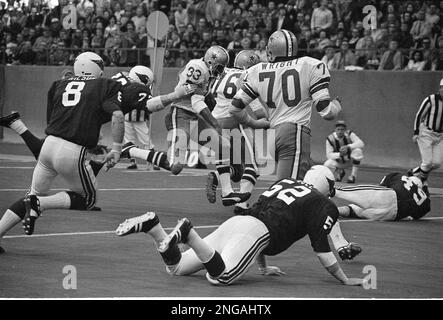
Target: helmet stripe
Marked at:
288, 42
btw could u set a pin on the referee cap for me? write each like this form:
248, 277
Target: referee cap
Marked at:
340, 123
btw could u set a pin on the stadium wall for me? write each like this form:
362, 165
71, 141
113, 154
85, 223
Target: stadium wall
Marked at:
379, 106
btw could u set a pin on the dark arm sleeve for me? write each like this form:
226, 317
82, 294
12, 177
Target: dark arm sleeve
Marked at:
319, 226
49, 104
113, 96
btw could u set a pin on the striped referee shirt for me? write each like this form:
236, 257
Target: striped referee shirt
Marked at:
430, 113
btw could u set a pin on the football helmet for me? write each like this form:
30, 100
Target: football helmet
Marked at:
281, 43
142, 74
245, 59
216, 58
88, 64
322, 179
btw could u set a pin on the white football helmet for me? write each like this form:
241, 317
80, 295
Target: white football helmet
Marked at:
216, 58
246, 59
142, 74
322, 179
88, 64
281, 43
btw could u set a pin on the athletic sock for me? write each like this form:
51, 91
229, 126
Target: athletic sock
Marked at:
158, 158
248, 179
9, 220
32, 142
354, 171
215, 266
18, 126
338, 240
59, 200
224, 178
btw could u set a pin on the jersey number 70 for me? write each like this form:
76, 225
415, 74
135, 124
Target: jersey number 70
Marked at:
290, 86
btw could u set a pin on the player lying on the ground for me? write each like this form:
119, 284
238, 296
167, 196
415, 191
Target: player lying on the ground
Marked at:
397, 197
285, 213
77, 108
136, 95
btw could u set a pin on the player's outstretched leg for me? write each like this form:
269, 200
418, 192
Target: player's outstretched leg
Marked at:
247, 183
157, 158
12, 216
14, 122
143, 223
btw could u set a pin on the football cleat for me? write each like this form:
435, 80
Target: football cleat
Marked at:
32, 205
178, 235
10, 118
96, 209
349, 251
125, 150
351, 179
176, 168
132, 166
157, 168
241, 208
234, 198
142, 223
211, 187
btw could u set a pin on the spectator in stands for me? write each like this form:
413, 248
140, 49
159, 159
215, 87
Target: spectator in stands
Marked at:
432, 17
260, 50
321, 18
416, 63
392, 58
220, 38
355, 36
139, 19
216, 10
25, 54
344, 57
206, 40
129, 39
112, 26
420, 29
112, 45
323, 41
328, 58
201, 26
405, 38
283, 21
246, 43
41, 46
196, 11
181, 15
236, 41
98, 41
33, 19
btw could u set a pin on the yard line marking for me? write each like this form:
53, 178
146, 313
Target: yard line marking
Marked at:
196, 227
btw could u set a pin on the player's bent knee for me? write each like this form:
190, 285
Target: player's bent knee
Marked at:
331, 164
78, 202
357, 154
426, 167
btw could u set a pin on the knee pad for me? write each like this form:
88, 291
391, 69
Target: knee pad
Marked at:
357, 154
426, 167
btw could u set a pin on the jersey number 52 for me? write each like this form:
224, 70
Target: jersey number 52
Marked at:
288, 195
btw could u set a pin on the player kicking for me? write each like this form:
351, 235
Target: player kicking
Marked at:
78, 107
289, 86
285, 213
397, 197
223, 90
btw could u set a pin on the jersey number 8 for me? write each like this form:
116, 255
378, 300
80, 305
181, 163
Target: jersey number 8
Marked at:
72, 93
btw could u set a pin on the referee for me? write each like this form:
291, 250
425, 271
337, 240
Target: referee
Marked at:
428, 134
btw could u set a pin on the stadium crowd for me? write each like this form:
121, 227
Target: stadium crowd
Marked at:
408, 34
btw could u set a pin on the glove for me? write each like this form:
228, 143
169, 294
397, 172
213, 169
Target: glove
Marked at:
415, 138
271, 271
349, 251
344, 150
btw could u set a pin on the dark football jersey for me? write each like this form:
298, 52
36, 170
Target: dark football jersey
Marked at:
78, 106
291, 209
411, 200
134, 94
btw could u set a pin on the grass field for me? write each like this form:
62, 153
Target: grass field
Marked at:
408, 256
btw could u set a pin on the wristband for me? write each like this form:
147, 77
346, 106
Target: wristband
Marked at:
117, 147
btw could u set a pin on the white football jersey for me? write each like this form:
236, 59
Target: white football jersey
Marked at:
195, 72
287, 88
224, 89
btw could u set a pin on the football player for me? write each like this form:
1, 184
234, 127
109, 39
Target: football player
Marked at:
223, 90
397, 197
285, 213
77, 107
289, 86
188, 110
